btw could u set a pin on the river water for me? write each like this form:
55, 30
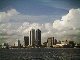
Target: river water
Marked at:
40, 54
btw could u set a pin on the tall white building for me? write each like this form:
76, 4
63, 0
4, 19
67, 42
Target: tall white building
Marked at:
32, 38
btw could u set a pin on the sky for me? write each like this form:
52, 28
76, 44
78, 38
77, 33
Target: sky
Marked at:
58, 18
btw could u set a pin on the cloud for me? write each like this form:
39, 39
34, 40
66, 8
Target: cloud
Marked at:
69, 25
6, 16
14, 25
71, 20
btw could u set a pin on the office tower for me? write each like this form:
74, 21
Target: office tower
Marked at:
38, 37
54, 41
19, 45
49, 42
26, 41
32, 37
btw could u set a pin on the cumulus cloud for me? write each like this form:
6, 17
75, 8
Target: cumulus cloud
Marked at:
69, 25
71, 20
14, 25
6, 16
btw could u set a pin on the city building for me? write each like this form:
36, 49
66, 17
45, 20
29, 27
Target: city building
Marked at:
38, 38
65, 42
58, 42
0, 46
19, 44
77, 46
50, 42
44, 44
26, 41
72, 44
5, 45
54, 41
32, 38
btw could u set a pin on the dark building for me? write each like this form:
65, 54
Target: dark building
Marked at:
26, 40
72, 44
45, 44
19, 45
38, 37
54, 41
32, 37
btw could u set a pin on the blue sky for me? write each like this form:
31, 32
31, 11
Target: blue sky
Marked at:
39, 7
55, 8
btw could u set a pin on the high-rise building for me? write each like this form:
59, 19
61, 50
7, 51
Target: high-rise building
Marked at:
32, 37
38, 37
54, 41
49, 42
19, 45
26, 41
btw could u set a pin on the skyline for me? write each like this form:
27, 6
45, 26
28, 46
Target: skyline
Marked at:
60, 19
34, 41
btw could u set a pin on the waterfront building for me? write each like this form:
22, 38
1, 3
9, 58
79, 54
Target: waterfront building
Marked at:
58, 42
38, 37
44, 44
65, 42
4, 45
32, 38
19, 44
49, 42
26, 41
54, 41
72, 44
